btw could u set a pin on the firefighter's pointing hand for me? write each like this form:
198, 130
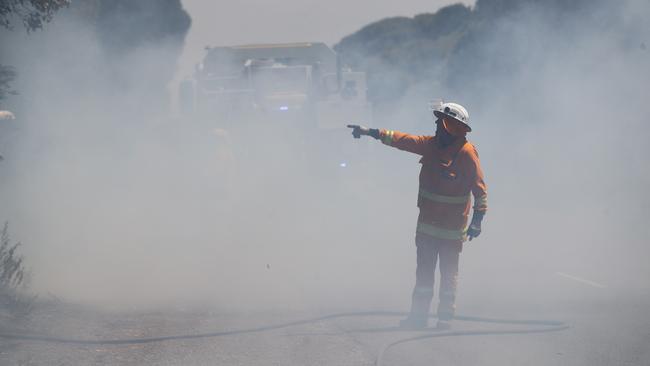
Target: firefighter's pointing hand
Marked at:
358, 131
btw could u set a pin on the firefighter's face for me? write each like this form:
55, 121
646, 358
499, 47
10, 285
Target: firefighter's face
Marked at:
440, 127
444, 137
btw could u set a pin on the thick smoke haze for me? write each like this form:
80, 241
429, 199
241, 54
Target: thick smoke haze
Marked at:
119, 204
567, 159
559, 112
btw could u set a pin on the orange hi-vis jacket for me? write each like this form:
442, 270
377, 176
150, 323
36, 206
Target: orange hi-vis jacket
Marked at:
448, 177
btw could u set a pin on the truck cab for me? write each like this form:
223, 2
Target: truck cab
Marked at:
303, 81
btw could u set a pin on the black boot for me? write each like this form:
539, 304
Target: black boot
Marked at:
418, 318
414, 321
446, 309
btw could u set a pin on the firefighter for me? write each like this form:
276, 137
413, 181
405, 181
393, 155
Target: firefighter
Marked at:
449, 176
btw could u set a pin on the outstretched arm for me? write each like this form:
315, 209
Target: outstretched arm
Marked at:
403, 141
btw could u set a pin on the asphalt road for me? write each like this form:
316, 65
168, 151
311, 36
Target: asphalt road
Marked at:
603, 331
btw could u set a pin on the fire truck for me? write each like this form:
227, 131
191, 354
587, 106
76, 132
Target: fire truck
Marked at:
265, 83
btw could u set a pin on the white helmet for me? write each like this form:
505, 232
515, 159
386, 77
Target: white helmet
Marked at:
453, 110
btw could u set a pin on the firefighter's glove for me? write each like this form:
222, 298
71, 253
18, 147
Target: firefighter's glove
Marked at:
474, 229
358, 131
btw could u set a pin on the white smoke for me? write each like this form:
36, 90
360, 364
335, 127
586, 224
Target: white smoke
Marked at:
116, 205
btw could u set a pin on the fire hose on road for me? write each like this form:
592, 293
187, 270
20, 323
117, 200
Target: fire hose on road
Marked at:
543, 326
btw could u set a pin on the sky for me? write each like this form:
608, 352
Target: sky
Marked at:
263, 21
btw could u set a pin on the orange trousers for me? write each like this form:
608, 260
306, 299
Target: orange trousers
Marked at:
429, 251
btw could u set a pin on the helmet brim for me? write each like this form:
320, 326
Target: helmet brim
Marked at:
441, 114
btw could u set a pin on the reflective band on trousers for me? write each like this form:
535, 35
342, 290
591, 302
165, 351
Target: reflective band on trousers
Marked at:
388, 137
441, 233
422, 290
444, 199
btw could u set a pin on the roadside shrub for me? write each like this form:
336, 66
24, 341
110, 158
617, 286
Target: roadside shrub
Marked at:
13, 277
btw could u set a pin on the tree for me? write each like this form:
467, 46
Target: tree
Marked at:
7, 74
32, 13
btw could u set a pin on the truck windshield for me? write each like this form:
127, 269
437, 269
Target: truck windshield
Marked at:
281, 79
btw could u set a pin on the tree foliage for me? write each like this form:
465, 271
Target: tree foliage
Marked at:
122, 28
127, 24
141, 31
33, 13
397, 52
7, 74
457, 44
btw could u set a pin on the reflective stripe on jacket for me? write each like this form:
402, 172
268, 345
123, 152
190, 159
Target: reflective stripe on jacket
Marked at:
448, 177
